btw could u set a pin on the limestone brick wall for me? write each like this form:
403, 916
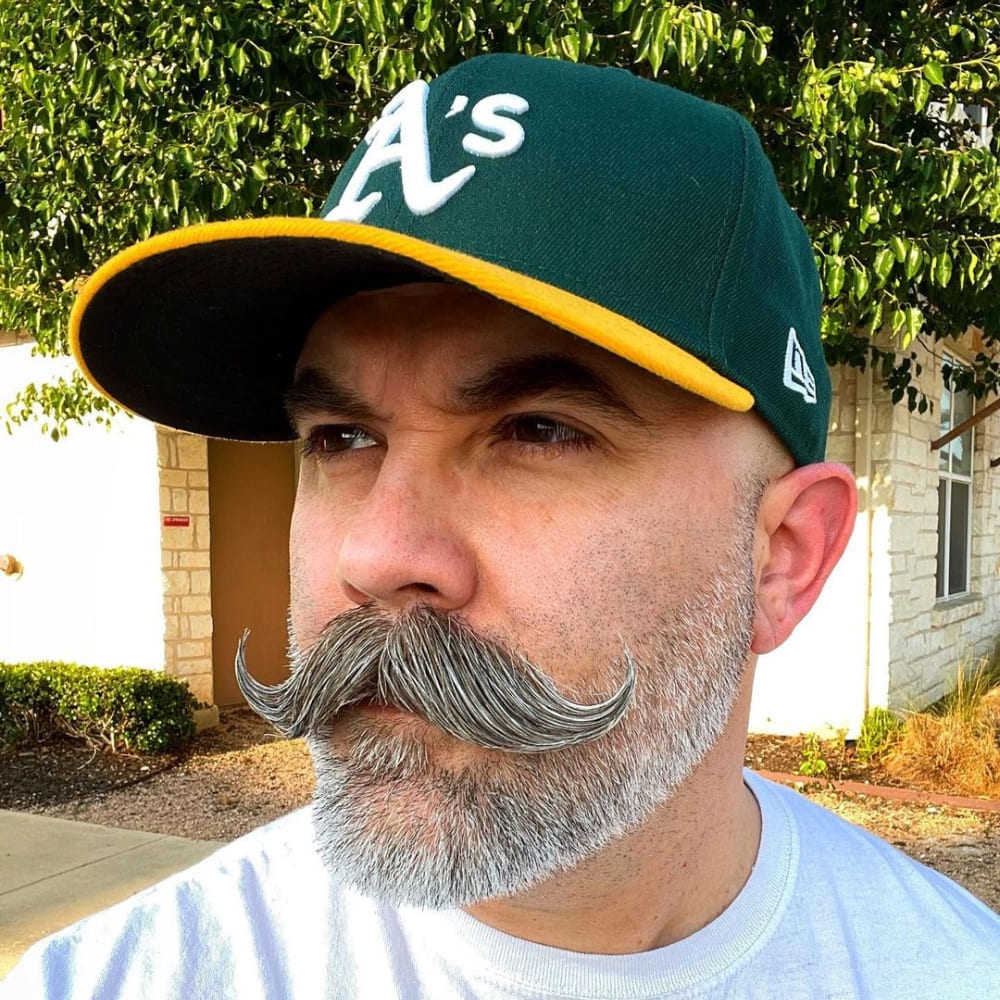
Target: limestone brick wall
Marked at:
842, 438
186, 562
926, 639
14, 338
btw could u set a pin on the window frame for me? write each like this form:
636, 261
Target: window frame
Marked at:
942, 571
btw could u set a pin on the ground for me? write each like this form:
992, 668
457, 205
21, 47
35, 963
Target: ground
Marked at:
240, 775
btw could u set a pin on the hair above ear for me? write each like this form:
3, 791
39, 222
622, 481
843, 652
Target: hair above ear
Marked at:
805, 522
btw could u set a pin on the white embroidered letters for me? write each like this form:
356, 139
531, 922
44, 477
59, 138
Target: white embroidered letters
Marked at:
487, 118
798, 375
400, 136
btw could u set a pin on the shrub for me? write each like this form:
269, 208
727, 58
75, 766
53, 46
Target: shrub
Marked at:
813, 763
955, 743
879, 731
124, 708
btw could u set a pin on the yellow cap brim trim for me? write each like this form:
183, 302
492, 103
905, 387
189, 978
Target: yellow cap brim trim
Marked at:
579, 316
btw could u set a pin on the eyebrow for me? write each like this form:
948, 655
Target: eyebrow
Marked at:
555, 374
314, 391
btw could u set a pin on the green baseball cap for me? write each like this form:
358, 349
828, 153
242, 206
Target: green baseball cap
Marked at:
638, 217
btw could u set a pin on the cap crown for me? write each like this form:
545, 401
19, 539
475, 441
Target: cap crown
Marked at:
652, 203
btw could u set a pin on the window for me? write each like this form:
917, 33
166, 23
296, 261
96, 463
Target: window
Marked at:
954, 494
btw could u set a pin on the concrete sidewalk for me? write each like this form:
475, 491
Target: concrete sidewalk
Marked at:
54, 871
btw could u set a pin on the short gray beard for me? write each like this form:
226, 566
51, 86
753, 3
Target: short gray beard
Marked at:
398, 827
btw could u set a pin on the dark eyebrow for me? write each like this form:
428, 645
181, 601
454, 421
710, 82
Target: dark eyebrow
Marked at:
539, 374
314, 391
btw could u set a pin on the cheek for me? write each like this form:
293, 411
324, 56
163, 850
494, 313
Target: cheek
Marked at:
570, 595
313, 549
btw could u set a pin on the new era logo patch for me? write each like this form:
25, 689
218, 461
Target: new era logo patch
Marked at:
798, 375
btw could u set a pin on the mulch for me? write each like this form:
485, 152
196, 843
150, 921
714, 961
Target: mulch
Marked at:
62, 770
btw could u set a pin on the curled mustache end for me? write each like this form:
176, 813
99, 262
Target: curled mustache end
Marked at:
270, 703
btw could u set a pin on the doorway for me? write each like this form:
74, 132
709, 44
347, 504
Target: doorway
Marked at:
251, 490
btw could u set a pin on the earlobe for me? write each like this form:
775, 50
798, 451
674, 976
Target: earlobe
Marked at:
805, 522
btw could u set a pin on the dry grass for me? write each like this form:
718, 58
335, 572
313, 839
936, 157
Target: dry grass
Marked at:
956, 743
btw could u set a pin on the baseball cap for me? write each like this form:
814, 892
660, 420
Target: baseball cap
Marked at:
638, 217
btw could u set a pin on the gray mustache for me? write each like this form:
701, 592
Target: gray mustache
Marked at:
437, 667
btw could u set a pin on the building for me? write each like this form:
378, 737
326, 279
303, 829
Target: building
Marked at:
918, 591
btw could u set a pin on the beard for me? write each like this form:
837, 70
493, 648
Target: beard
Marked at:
399, 824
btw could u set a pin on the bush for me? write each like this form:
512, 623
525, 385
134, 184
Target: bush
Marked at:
956, 742
879, 730
124, 708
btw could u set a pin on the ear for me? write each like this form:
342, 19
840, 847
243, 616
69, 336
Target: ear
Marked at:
805, 521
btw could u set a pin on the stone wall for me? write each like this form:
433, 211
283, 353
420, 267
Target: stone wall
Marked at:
186, 559
928, 639
14, 338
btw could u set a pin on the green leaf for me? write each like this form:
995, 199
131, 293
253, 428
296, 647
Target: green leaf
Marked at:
913, 321
972, 267
835, 274
122, 110
221, 195
933, 73
942, 268
861, 284
570, 47
884, 261
914, 258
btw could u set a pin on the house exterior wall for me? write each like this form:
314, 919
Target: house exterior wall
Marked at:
816, 681
929, 639
185, 557
80, 514
878, 636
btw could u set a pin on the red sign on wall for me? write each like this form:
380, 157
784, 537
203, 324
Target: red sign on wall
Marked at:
176, 521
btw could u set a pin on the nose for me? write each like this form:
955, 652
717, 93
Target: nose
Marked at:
404, 544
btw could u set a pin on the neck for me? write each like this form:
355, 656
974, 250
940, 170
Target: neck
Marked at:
656, 885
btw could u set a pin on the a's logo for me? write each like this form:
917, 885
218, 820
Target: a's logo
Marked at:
400, 136
798, 375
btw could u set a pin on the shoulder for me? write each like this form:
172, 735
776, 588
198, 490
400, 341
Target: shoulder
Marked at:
219, 914
857, 896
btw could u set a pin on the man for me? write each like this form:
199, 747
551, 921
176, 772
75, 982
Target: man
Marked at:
552, 354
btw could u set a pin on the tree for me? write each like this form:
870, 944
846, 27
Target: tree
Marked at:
124, 118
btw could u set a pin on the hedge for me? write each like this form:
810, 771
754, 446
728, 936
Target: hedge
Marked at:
122, 708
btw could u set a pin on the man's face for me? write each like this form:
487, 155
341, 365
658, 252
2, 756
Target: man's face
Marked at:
461, 455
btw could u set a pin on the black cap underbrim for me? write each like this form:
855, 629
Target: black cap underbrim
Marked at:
200, 329
223, 324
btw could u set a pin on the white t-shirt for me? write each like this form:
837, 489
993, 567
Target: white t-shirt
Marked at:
828, 911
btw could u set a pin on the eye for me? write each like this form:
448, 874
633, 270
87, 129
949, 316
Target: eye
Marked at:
333, 439
534, 429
